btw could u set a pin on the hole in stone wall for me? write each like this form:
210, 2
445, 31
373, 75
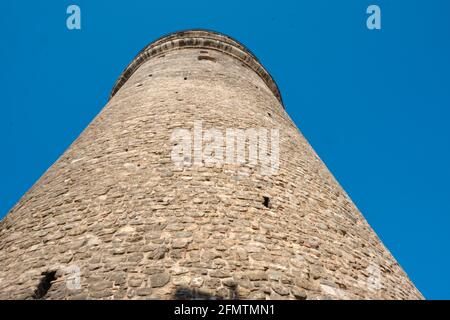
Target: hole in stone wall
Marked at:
185, 78
266, 202
203, 51
150, 75
44, 285
207, 58
268, 113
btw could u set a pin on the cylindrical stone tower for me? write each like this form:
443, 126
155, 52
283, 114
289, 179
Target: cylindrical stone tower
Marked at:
152, 201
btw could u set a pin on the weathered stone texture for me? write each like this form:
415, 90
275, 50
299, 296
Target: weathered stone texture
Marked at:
137, 227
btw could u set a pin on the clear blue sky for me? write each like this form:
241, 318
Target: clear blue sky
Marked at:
375, 105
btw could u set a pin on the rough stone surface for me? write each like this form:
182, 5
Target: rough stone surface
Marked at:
116, 207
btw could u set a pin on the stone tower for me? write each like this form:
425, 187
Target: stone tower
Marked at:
119, 217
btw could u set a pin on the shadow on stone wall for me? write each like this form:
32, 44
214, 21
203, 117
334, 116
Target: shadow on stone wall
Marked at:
185, 293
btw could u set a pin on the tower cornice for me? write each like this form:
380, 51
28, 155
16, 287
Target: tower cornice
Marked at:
202, 39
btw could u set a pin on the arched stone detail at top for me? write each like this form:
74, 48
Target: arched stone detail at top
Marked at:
202, 39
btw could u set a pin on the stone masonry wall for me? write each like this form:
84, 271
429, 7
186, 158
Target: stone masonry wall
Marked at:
136, 226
